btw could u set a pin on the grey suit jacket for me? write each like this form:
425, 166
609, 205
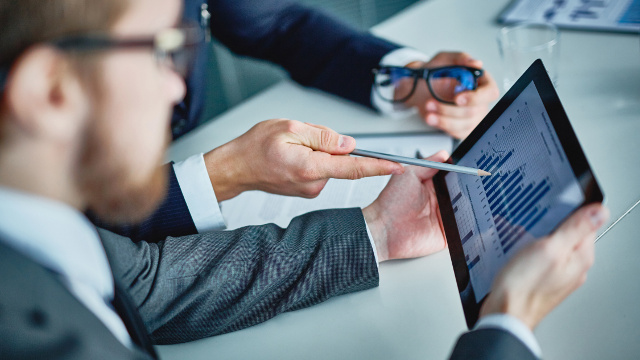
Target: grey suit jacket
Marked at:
197, 286
41, 319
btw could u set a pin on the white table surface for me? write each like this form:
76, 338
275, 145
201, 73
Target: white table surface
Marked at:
415, 313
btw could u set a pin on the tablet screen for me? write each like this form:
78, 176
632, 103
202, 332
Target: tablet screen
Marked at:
531, 190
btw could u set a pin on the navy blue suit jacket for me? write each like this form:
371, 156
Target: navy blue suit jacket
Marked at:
314, 48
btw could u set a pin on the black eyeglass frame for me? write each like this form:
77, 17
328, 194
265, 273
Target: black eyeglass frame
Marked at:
164, 44
423, 73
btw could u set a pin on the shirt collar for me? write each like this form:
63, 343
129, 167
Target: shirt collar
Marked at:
56, 236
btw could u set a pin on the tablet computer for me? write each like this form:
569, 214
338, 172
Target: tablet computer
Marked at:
540, 176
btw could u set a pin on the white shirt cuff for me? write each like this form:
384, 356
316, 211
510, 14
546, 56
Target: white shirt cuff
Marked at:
373, 244
398, 57
198, 193
514, 326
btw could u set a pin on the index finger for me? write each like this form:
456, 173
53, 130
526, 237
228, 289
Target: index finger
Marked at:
348, 167
425, 173
486, 92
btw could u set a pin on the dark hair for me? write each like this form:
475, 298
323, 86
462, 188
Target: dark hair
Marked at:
25, 23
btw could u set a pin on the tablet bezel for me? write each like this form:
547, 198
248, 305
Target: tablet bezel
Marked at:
569, 142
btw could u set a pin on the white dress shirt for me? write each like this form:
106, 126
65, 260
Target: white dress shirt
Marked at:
63, 240
198, 193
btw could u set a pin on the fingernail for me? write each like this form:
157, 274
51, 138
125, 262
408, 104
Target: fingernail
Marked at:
345, 142
597, 216
462, 100
431, 106
432, 120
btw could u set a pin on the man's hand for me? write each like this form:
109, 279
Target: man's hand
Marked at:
471, 106
288, 157
542, 275
404, 220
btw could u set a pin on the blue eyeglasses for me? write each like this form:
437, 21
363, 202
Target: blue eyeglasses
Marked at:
397, 84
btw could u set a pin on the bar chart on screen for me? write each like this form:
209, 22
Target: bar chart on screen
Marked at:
528, 194
516, 206
518, 196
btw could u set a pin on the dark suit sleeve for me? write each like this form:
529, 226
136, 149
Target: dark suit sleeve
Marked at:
198, 286
314, 48
490, 344
172, 218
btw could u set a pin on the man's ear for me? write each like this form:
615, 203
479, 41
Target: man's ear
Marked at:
44, 96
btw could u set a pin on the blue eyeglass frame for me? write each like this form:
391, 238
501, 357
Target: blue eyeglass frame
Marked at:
426, 74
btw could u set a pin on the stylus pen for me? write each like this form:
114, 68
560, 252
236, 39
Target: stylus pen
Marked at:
419, 162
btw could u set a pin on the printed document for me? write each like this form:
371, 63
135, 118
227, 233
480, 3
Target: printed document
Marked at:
608, 15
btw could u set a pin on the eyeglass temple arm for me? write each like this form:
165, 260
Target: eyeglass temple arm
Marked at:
377, 70
4, 75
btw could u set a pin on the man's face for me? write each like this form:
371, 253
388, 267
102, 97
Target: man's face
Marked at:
119, 169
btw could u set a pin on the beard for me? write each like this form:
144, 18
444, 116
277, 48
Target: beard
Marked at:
116, 193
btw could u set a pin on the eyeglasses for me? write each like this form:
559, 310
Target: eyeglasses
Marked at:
175, 48
397, 84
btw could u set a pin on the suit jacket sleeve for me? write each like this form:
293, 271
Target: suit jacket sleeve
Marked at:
494, 344
314, 48
172, 218
203, 285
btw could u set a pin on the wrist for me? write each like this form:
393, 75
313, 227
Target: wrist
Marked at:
510, 303
225, 169
378, 232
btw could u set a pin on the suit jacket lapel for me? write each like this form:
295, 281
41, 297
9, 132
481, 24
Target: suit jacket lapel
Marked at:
132, 320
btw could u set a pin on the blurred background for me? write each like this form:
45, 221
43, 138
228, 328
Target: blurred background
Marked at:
232, 78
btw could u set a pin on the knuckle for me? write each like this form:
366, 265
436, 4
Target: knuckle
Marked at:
471, 112
311, 191
326, 139
582, 279
589, 261
444, 123
273, 122
443, 153
290, 126
307, 173
356, 173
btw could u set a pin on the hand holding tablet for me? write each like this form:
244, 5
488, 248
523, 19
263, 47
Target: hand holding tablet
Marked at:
540, 177
540, 276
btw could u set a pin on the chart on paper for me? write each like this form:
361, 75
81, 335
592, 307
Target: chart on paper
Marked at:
527, 193
609, 15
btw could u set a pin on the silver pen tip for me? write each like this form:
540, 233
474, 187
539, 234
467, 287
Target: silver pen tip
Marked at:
483, 173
